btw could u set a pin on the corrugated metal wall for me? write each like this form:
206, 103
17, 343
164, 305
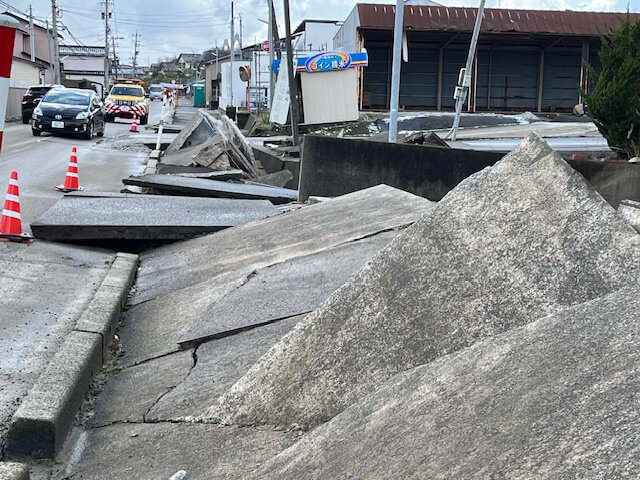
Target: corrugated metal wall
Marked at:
507, 78
561, 80
377, 81
419, 78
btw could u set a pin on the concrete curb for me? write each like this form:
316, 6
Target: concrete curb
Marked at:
13, 471
43, 420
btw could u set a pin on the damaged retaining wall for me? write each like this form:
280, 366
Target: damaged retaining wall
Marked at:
334, 166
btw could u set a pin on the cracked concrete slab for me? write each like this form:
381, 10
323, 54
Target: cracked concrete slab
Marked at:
286, 289
510, 244
144, 217
265, 242
152, 329
206, 187
557, 398
221, 363
152, 451
128, 395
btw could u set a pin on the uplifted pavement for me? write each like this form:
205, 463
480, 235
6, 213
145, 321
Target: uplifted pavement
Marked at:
229, 298
496, 334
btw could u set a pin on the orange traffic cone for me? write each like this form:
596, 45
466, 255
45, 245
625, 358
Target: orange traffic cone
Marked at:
11, 222
71, 180
134, 124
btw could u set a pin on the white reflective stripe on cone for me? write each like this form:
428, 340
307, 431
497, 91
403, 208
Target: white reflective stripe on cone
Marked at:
12, 198
72, 174
10, 213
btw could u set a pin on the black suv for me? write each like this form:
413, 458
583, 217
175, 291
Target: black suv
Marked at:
28, 104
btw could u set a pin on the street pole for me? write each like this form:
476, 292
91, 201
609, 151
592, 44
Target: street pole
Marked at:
31, 36
460, 93
56, 48
115, 58
105, 88
231, 52
395, 72
293, 104
53, 73
272, 45
8, 27
217, 73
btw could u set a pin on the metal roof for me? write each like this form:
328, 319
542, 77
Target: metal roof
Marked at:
461, 19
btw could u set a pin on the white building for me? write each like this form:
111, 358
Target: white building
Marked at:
83, 63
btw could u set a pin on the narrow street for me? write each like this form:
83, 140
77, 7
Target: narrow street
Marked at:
42, 162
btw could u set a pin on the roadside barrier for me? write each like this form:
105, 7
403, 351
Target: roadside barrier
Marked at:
71, 180
8, 27
11, 222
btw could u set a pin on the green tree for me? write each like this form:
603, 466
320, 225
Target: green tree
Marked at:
614, 103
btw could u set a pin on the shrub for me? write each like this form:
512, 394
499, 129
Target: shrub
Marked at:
614, 103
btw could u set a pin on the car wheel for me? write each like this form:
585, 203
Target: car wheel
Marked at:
109, 118
25, 120
35, 133
89, 133
144, 120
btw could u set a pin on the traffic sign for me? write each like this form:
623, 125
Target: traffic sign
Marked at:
265, 45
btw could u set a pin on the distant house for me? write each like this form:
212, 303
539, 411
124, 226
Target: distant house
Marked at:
24, 72
189, 61
533, 60
169, 66
79, 63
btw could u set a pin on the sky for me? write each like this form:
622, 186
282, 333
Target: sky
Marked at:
170, 27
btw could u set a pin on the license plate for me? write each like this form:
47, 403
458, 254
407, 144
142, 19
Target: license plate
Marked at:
55, 124
125, 109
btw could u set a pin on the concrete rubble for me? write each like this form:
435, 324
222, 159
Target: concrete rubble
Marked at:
479, 264
211, 141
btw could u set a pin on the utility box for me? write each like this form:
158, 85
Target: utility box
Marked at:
198, 96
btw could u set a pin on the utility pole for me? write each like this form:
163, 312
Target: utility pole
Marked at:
56, 48
31, 35
106, 14
292, 86
395, 72
240, 20
53, 73
232, 53
136, 51
272, 45
115, 58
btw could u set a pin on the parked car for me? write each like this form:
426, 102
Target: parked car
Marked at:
69, 110
155, 92
28, 99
